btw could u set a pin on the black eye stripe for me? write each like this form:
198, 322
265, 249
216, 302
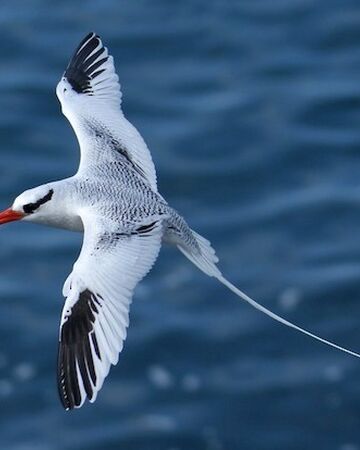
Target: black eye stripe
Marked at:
31, 207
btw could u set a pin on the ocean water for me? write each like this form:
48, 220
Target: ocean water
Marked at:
251, 109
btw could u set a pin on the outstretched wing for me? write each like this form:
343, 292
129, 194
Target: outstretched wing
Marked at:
90, 97
96, 312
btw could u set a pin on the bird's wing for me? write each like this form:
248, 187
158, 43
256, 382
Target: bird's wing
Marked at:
90, 97
96, 311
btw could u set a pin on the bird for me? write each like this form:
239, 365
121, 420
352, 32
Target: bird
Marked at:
113, 199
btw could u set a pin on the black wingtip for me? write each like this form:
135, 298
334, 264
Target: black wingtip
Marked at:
75, 352
64, 393
82, 67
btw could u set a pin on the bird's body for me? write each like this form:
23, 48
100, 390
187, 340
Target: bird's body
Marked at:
113, 198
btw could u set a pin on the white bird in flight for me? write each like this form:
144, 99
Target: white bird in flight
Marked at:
113, 198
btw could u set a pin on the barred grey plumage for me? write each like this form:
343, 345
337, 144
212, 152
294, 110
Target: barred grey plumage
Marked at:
113, 198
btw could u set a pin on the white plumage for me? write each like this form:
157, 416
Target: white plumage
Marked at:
113, 199
99, 103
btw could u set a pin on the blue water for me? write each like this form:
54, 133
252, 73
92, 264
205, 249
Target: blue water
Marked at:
251, 109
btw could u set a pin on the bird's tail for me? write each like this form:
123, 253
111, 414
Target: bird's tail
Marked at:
204, 257
206, 261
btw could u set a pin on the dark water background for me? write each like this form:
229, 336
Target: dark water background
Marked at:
252, 112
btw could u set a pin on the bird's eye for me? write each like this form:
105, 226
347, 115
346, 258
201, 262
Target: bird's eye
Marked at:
29, 208
65, 90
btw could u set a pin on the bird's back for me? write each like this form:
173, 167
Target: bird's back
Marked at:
118, 192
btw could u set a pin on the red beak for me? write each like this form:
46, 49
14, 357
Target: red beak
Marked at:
9, 216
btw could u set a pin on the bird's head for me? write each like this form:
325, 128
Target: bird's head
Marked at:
31, 205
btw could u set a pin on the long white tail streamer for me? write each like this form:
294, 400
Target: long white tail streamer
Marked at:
206, 261
274, 316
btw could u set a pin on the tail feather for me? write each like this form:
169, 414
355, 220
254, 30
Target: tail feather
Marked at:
280, 319
206, 260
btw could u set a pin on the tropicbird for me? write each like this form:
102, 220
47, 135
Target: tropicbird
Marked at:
113, 199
